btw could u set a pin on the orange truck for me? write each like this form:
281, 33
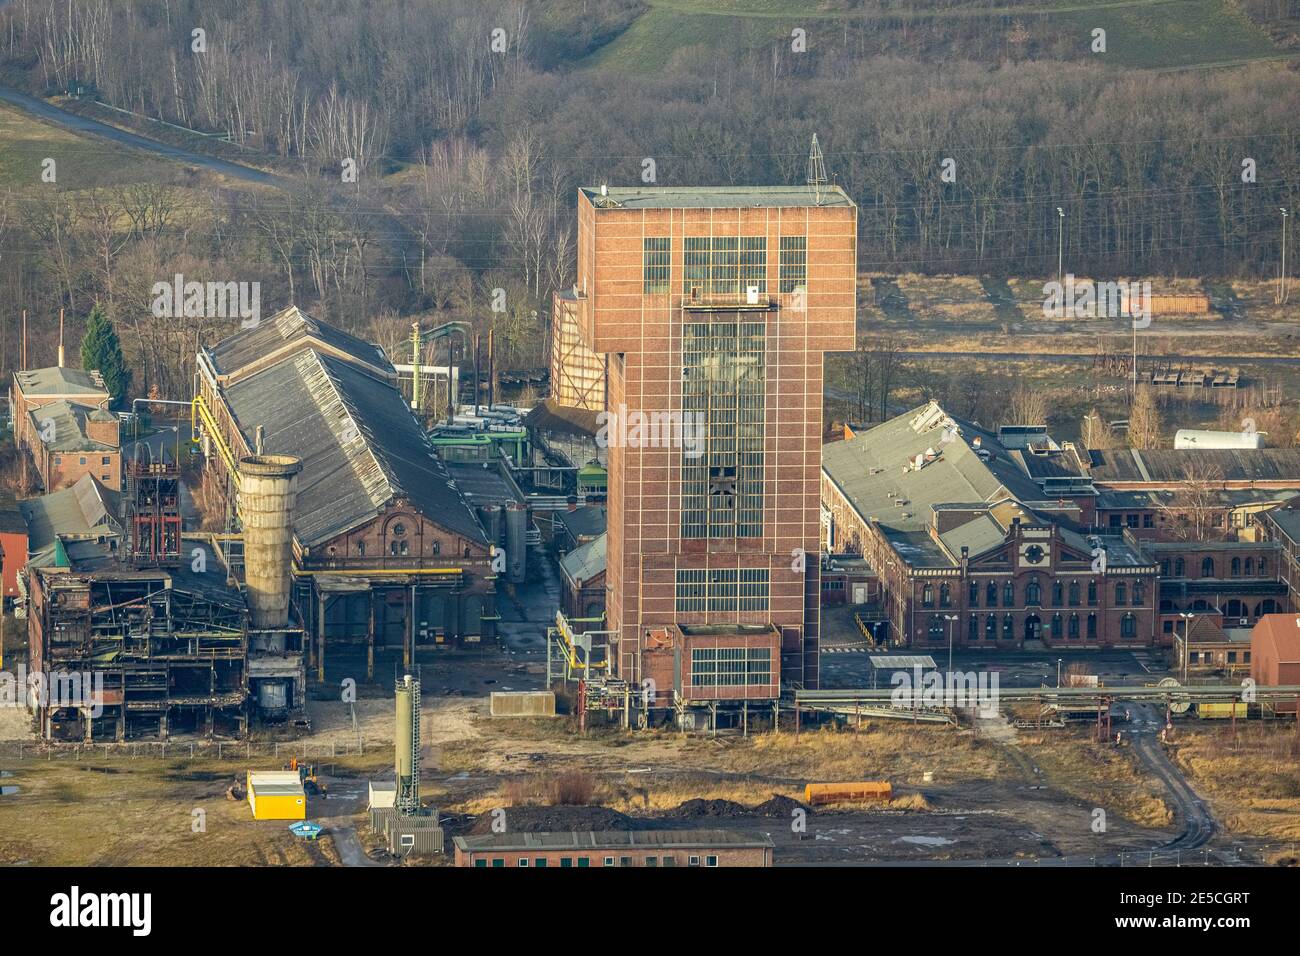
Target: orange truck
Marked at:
863, 792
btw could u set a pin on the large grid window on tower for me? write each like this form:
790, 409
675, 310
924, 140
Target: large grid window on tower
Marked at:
724, 388
724, 265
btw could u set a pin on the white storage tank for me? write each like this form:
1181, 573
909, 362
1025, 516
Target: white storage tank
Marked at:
1197, 438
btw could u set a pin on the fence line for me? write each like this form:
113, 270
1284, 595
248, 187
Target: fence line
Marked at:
178, 750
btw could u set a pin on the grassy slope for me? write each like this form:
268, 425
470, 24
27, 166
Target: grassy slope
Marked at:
81, 162
1140, 33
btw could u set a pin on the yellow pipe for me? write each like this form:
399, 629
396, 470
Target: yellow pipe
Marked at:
361, 573
205, 416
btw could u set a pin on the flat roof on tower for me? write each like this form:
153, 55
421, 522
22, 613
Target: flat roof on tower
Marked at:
715, 197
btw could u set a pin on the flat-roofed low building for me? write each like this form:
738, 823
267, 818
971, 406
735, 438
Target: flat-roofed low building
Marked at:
627, 848
1211, 648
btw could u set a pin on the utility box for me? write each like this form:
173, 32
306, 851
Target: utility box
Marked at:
277, 795
382, 796
413, 835
523, 703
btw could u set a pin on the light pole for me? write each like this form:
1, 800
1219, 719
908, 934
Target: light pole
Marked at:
1281, 292
1187, 636
1060, 243
951, 619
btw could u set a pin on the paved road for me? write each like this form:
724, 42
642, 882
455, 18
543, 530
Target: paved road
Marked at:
1088, 358
82, 124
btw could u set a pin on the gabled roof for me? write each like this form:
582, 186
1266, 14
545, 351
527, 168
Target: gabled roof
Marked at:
585, 562
87, 509
360, 445
69, 426
62, 381
287, 333
1281, 632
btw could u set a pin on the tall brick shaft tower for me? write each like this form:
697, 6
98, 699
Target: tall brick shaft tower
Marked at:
716, 305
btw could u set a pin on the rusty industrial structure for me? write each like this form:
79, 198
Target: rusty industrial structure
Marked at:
147, 633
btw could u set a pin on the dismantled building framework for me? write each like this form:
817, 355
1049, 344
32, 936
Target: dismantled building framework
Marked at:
152, 639
156, 652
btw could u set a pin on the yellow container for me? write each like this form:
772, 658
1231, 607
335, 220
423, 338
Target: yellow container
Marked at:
1221, 710
277, 795
864, 792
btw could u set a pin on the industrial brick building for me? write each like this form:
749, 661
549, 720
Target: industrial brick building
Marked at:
715, 305
1002, 539
387, 553
61, 420
1275, 652
621, 848
967, 545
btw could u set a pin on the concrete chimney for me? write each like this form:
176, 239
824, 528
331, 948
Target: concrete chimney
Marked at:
268, 489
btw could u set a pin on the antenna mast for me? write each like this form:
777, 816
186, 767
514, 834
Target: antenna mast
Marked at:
816, 171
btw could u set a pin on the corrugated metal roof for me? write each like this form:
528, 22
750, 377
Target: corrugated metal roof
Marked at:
288, 327
65, 422
359, 443
1171, 465
87, 508
874, 471
900, 662
584, 563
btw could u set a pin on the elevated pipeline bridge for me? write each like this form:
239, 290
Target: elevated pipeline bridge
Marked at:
881, 701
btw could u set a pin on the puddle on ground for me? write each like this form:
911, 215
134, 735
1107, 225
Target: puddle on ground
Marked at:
927, 840
8, 791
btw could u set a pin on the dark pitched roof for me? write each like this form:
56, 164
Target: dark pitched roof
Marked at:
359, 443
585, 522
294, 330
552, 417
69, 426
11, 517
1169, 465
85, 509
